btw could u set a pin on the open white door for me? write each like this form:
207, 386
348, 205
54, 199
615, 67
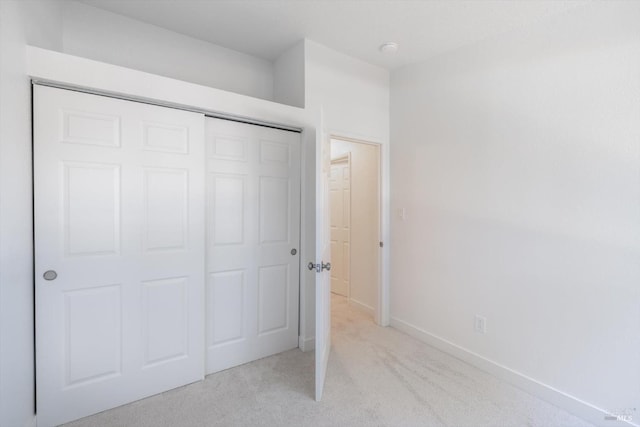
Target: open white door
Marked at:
323, 256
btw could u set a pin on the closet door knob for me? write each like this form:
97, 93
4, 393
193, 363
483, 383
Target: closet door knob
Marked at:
50, 275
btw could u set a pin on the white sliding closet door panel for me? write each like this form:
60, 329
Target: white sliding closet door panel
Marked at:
119, 216
253, 222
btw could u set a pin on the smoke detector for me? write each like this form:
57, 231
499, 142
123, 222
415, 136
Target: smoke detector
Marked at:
389, 48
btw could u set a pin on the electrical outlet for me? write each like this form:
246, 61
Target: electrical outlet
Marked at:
402, 213
480, 324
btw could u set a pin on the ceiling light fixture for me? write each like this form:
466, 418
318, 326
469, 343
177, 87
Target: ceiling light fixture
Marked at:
389, 48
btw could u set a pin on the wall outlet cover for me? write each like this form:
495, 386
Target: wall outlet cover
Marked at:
480, 324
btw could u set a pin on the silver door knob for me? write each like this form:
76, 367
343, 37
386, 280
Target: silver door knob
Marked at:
319, 267
50, 275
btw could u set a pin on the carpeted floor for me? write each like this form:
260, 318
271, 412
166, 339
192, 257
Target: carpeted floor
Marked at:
376, 377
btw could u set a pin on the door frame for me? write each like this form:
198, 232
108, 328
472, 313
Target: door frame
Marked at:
381, 310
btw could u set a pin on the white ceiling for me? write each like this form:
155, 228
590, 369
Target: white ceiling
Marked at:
265, 28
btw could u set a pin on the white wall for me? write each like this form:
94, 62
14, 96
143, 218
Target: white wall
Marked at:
354, 94
517, 161
97, 34
354, 97
288, 79
37, 23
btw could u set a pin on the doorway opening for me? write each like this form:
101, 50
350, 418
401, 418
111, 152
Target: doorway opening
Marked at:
354, 187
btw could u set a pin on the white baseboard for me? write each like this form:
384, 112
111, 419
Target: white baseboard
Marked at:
572, 404
306, 344
362, 307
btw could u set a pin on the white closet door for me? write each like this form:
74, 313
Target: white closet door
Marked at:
340, 202
119, 217
253, 220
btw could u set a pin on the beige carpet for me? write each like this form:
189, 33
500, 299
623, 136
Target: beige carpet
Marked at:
377, 377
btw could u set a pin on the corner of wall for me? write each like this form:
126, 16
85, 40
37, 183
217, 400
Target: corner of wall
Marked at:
289, 76
37, 23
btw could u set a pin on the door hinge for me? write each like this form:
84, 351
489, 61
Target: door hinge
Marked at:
381, 244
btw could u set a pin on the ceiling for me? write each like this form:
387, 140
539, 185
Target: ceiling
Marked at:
265, 28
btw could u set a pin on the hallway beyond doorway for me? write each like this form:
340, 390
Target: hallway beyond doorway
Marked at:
356, 242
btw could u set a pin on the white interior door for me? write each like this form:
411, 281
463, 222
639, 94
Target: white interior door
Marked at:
340, 201
119, 251
323, 256
253, 261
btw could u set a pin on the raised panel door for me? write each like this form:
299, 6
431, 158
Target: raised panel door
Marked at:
119, 216
253, 220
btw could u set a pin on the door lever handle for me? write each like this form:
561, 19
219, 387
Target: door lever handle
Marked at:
319, 267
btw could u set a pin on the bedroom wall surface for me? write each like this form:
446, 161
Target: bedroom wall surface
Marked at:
517, 163
21, 23
96, 34
288, 78
354, 94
